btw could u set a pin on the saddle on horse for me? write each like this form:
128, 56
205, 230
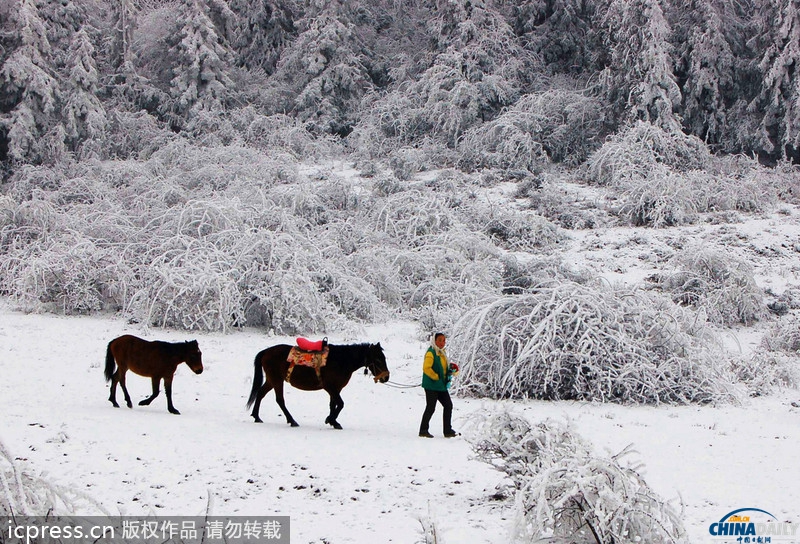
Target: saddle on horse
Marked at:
309, 353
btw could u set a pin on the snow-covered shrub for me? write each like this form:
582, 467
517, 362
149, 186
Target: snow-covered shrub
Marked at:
134, 135
567, 209
556, 125
514, 230
567, 494
23, 494
407, 161
720, 284
409, 216
776, 363
665, 198
69, 275
524, 276
767, 370
632, 154
501, 143
582, 342
284, 133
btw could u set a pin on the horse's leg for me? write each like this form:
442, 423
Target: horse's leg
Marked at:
113, 395
121, 372
279, 399
266, 388
168, 391
148, 400
336, 406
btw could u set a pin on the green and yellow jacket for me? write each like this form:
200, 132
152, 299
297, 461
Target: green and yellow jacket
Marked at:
435, 370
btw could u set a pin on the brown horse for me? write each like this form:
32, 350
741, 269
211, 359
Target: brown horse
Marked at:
342, 362
155, 360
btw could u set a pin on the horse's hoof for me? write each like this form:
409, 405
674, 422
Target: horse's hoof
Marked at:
258, 420
174, 411
337, 426
294, 424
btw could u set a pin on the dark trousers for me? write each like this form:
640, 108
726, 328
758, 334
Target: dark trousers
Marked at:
431, 397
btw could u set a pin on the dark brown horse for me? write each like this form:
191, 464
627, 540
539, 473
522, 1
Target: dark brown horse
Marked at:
342, 362
156, 360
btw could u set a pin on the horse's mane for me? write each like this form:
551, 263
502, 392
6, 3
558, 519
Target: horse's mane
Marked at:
349, 353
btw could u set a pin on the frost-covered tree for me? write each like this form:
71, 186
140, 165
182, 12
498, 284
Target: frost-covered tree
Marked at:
479, 69
201, 62
29, 90
639, 81
84, 114
709, 72
559, 31
779, 99
123, 23
262, 29
323, 76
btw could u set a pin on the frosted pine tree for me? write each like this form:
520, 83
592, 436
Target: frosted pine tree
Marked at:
263, 28
84, 115
28, 87
123, 21
201, 62
479, 70
560, 31
709, 74
323, 74
779, 99
639, 80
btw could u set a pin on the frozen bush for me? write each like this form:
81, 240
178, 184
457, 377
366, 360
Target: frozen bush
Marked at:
567, 494
767, 370
23, 494
580, 342
632, 154
556, 125
720, 284
663, 199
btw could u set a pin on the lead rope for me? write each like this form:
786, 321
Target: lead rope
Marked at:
402, 385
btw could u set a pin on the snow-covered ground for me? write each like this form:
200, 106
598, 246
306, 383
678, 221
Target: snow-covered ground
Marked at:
372, 481
376, 481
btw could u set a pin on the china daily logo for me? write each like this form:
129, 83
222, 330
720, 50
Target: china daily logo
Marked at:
753, 525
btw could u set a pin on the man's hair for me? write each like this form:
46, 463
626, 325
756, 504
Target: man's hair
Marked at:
438, 334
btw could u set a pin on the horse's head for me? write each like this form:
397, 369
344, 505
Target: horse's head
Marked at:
376, 363
194, 357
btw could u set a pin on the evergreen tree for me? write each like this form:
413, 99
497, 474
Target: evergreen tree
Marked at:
84, 115
28, 88
559, 31
480, 70
779, 99
201, 63
262, 29
639, 81
323, 75
708, 75
123, 23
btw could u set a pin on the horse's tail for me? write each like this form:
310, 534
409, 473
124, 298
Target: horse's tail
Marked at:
109, 362
258, 380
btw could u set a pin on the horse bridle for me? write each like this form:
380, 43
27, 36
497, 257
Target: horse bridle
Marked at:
371, 365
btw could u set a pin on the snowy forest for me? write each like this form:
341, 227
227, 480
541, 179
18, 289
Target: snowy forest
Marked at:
157, 161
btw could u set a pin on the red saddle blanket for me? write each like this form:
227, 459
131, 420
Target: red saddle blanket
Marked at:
313, 359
